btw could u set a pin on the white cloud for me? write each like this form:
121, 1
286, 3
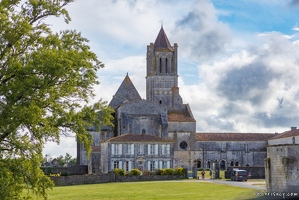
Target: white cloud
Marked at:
245, 82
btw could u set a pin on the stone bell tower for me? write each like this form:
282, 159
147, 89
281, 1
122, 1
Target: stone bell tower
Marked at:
162, 73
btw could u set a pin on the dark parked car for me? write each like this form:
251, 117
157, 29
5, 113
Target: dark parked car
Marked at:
239, 175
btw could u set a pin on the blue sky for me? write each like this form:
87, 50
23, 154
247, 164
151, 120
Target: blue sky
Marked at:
238, 60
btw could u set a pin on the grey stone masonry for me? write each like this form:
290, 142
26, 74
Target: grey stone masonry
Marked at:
282, 168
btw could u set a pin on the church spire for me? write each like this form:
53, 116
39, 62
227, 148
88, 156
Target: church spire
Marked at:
162, 40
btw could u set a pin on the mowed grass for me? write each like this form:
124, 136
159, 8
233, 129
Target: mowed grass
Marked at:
152, 190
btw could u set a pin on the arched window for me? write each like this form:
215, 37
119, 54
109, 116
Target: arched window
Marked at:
222, 164
237, 163
160, 101
143, 131
209, 164
198, 163
231, 163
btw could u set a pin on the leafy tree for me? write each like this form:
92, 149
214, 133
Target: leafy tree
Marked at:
46, 80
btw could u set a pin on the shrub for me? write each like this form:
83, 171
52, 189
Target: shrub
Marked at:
146, 172
135, 172
58, 174
168, 171
163, 172
119, 172
179, 171
65, 174
158, 171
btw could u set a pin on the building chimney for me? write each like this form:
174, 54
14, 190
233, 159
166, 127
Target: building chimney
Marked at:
293, 128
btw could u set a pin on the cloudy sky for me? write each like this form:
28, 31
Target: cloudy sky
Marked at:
238, 60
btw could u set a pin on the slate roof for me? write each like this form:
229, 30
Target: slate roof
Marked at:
291, 133
125, 93
234, 136
180, 115
138, 138
162, 40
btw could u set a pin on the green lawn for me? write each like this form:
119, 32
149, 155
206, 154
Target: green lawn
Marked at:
152, 190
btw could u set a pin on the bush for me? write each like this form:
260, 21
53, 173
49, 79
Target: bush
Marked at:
158, 171
119, 172
179, 171
168, 171
58, 174
65, 174
135, 172
146, 172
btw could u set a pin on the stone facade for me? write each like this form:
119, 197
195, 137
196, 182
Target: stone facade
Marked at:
163, 114
282, 163
139, 151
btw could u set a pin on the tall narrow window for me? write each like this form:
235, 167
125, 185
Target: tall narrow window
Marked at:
160, 65
166, 66
152, 166
116, 164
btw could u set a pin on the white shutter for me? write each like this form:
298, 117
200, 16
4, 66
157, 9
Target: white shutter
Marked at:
112, 166
163, 149
120, 149
160, 164
156, 164
130, 165
112, 149
149, 149
156, 149
168, 149
132, 149
149, 165
120, 164
168, 164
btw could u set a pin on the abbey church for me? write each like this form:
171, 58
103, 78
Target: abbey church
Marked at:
160, 131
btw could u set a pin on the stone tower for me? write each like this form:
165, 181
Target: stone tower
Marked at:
162, 73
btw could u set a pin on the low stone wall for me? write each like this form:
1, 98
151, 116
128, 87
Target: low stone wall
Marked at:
147, 178
105, 178
74, 170
256, 172
82, 179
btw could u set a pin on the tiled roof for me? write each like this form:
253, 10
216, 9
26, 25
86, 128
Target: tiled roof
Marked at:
162, 40
138, 138
234, 136
96, 148
180, 116
291, 133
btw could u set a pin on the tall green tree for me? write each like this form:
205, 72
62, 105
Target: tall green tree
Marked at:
46, 80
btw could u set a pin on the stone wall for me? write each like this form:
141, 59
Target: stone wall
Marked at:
256, 172
105, 178
282, 168
82, 179
75, 170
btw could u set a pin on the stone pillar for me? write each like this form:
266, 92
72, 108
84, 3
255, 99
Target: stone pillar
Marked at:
216, 170
194, 171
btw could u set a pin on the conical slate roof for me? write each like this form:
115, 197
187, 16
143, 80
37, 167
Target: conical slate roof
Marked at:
162, 40
125, 93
